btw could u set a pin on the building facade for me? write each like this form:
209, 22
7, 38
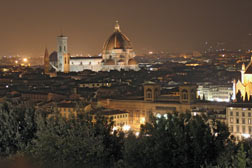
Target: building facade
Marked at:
245, 84
239, 120
117, 54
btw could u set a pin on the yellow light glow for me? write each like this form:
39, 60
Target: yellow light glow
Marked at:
5, 70
25, 59
142, 120
16, 61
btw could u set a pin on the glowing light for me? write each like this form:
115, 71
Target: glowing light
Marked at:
137, 134
150, 52
246, 135
126, 128
5, 69
142, 120
114, 128
158, 115
16, 61
25, 59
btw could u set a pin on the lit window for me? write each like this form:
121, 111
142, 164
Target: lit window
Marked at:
243, 121
237, 113
231, 120
249, 114
249, 121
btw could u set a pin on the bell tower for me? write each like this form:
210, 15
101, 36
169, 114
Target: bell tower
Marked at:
62, 51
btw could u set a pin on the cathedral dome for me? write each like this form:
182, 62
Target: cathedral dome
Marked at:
117, 40
132, 62
53, 56
109, 62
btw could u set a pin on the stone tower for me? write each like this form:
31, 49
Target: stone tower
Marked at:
66, 64
46, 62
62, 51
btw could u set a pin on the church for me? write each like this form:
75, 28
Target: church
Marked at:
117, 54
245, 84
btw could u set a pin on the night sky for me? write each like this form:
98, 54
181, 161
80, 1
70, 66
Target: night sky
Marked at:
28, 26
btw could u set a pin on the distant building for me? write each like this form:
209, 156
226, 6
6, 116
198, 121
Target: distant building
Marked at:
239, 120
117, 54
120, 118
183, 100
219, 93
245, 84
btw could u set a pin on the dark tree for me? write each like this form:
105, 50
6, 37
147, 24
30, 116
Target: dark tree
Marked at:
239, 97
246, 98
180, 140
17, 129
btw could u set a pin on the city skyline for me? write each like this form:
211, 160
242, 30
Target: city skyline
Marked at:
29, 27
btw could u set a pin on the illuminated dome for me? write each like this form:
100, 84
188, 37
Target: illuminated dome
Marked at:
110, 62
117, 40
132, 62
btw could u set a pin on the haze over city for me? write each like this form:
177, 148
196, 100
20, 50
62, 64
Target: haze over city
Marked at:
126, 84
28, 26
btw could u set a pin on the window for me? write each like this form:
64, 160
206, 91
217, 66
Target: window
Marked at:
231, 120
237, 121
237, 128
65, 48
231, 113
243, 129
249, 121
231, 128
60, 48
249, 114
237, 113
250, 129
243, 121
243, 114
149, 93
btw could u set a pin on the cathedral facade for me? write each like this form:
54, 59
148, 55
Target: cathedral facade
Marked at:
117, 54
245, 84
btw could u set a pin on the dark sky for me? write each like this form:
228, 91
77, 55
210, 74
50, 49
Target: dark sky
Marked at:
28, 26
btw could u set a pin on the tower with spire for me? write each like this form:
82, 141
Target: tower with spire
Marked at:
245, 84
46, 62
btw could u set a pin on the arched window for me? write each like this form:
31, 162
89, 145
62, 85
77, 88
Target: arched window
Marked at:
149, 93
60, 49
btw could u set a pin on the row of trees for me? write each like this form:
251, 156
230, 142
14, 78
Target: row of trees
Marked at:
178, 140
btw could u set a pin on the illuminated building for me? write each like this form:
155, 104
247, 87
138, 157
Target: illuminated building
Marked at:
120, 118
219, 93
245, 84
117, 54
239, 120
159, 104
